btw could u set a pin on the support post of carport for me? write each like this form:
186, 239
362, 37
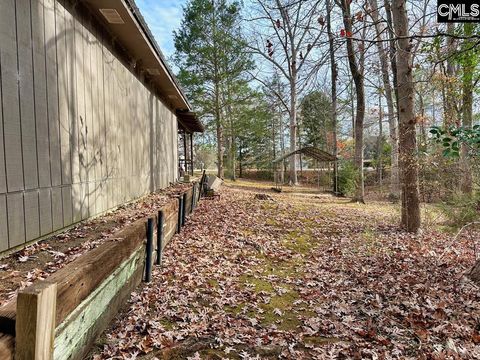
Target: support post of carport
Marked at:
185, 162
191, 154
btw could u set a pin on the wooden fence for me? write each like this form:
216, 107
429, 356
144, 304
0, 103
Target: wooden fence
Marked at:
60, 318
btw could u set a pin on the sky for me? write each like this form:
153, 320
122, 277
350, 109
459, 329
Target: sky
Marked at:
162, 16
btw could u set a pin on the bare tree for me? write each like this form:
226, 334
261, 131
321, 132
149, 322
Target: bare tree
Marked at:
285, 34
392, 120
358, 79
407, 119
334, 75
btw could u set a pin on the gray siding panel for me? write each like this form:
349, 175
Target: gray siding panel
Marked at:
45, 202
16, 219
40, 89
32, 215
3, 223
63, 94
27, 104
67, 205
10, 103
52, 92
76, 124
3, 178
57, 211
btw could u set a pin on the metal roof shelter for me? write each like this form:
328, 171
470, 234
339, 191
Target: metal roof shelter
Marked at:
310, 151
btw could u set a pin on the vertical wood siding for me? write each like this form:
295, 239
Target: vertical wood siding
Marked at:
79, 132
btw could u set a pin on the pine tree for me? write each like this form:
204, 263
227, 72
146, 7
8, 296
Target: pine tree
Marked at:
210, 53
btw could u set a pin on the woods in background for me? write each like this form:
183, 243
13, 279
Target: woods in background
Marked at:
381, 84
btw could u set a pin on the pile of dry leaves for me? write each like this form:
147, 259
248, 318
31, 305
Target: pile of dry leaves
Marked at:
302, 277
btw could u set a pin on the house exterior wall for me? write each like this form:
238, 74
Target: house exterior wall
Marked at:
80, 133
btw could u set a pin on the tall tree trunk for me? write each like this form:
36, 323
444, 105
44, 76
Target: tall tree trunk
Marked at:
406, 102
380, 141
450, 108
392, 120
334, 75
360, 94
293, 126
218, 123
217, 89
467, 109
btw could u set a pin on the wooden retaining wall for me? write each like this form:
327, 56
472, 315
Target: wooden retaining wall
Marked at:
61, 317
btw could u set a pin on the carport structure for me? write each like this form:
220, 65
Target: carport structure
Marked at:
320, 156
188, 124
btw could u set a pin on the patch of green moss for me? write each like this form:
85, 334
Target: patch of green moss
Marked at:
271, 222
259, 284
167, 325
288, 320
213, 283
235, 310
298, 242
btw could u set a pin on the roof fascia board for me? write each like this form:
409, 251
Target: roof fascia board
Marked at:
154, 51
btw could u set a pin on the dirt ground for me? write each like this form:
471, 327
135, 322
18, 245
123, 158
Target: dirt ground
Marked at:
302, 275
36, 262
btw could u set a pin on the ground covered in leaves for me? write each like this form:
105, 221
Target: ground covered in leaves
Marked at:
302, 276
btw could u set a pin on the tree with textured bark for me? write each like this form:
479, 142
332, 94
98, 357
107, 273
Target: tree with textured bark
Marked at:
358, 79
469, 59
333, 84
388, 92
285, 34
211, 53
407, 119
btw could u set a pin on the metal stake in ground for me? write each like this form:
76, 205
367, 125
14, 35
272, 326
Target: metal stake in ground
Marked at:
148, 261
160, 237
180, 211
184, 208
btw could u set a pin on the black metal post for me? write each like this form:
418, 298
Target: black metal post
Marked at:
148, 261
194, 194
160, 237
180, 211
201, 189
184, 208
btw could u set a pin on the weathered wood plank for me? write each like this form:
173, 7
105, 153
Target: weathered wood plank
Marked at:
35, 323
90, 317
76, 281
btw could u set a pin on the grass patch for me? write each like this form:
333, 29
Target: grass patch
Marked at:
298, 242
258, 284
